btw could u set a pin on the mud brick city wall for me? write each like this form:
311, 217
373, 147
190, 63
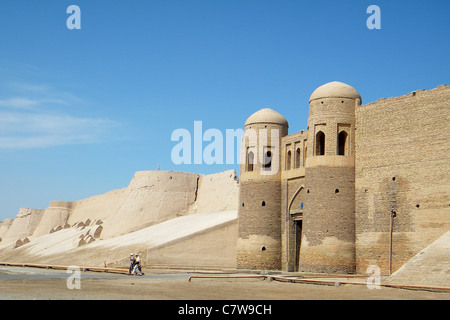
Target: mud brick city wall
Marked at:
402, 166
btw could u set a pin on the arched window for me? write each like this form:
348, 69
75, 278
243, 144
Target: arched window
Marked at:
267, 160
342, 141
288, 160
250, 161
320, 143
297, 158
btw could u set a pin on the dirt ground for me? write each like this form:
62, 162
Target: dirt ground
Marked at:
163, 285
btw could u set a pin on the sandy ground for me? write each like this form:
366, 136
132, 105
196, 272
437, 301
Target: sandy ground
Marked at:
169, 285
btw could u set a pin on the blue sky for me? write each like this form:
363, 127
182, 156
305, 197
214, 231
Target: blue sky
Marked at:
82, 110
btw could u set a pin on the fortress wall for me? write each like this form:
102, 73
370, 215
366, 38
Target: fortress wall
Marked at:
55, 215
216, 192
196, 239
402, 164
98, 207
35, 217
156, 196
23, 225
153, 196
4, 226
213, 248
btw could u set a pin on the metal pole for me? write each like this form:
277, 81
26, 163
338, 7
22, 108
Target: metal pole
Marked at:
391, 231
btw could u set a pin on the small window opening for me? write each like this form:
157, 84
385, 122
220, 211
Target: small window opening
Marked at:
267, 160
263, 204
336, 191
393, 178
263, 248
288, 160
320, 143
342, 141
242, 204
297, 158
417, 206
250, 161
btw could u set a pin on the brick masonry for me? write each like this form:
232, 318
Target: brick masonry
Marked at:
329, 221
396, 161
402, 164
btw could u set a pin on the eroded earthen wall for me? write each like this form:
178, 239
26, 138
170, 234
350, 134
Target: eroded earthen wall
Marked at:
55, 215
24, 224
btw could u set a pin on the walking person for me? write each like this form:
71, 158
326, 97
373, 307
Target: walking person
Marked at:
132, 263
137, 265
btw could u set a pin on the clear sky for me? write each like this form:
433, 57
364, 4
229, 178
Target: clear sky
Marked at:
81, 110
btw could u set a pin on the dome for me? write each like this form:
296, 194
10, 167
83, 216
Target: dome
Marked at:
335, 89
266, 115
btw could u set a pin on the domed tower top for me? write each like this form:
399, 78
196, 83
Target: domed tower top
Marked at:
266, 115
335, 89
261, 146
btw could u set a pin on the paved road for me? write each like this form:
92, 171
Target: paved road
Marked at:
35, 283
38, 273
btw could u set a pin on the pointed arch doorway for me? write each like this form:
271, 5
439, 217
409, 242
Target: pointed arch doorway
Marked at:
295, 210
